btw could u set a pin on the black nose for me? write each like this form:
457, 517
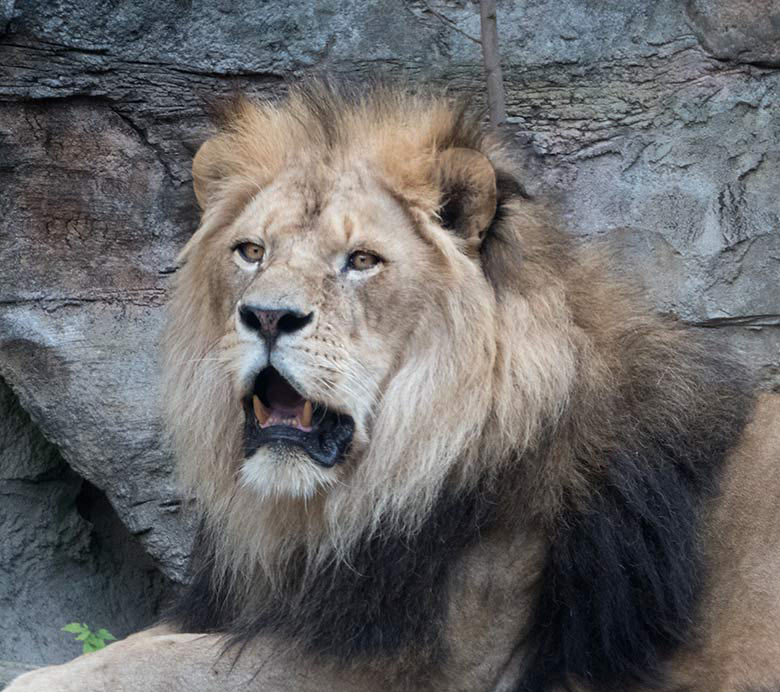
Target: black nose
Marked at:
269, 324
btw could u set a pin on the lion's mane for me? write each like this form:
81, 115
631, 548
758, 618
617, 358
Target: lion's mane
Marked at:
578, 412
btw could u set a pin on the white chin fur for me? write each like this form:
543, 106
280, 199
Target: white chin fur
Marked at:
273, 471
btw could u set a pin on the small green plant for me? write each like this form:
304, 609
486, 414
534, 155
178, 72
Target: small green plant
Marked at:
91, 641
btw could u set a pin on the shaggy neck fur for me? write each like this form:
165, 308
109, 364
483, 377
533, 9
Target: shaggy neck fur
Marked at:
386, 602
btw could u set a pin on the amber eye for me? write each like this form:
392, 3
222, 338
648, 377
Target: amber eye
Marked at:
250, 252
362, 260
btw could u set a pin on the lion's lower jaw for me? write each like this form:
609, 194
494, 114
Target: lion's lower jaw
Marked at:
269, 474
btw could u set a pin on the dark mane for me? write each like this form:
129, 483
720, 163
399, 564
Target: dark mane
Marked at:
390, 599
620, 586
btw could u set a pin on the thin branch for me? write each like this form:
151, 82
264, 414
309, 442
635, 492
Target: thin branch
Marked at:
490, 55
449, 23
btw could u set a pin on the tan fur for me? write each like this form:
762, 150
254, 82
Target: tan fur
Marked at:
737, 644
453, 358
429, 403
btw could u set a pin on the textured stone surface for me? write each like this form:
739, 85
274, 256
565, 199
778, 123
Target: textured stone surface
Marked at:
742, 30
93, 220
11, 669
655, 125
65, 555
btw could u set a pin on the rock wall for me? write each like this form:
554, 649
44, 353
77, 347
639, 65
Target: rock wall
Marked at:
655, 125
65, 556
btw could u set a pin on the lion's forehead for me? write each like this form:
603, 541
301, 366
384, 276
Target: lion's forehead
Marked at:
349, 206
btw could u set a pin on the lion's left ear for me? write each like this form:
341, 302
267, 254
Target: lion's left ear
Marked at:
467, 184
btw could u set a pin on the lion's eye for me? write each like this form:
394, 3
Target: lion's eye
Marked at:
362, 260
250, 252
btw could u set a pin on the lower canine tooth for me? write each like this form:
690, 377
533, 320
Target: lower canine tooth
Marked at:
260, 411
307, 413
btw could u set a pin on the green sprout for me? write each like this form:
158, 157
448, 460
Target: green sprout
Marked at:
91, 641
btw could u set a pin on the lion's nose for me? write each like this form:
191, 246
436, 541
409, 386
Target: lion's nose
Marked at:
269, 324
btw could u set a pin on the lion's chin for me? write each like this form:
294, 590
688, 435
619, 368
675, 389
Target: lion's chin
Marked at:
284, 470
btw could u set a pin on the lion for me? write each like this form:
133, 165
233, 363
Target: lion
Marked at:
437, 444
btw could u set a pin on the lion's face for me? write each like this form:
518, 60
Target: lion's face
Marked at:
341, 344
322, 281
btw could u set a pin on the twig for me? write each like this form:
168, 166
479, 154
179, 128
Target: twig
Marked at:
495, 82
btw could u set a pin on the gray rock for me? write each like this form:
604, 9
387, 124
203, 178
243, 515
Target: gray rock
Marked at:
82, 297
653, 125
65, 555
10, 670
746, 31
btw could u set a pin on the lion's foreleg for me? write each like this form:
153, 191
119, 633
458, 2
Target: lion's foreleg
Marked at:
160, 661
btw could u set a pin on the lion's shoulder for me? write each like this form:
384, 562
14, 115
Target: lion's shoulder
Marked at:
736, 622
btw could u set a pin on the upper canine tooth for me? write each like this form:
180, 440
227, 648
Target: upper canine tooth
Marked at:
307, 414
261, 413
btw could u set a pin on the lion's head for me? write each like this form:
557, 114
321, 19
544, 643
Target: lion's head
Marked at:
340, 346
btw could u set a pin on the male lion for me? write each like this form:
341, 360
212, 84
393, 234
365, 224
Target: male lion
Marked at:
435, 445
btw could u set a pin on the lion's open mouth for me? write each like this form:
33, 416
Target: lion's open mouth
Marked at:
277, 413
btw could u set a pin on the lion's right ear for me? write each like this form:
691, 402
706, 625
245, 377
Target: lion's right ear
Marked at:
207, 171
467, 192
